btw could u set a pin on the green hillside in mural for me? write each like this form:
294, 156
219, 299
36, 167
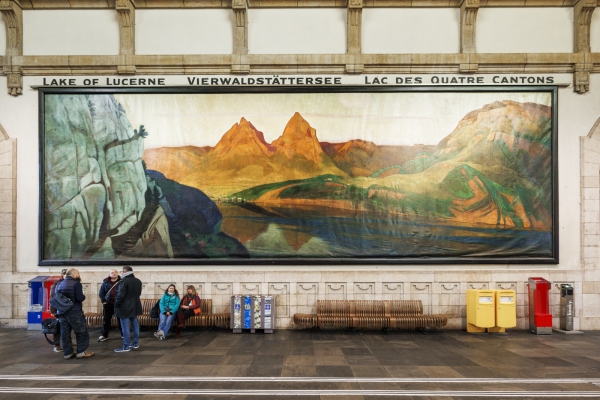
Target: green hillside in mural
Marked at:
493, 169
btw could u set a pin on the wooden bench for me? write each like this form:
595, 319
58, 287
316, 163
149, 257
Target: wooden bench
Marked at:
206, 317
375, 314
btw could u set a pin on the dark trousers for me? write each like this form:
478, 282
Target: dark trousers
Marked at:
183, 314
75, 322
109, 311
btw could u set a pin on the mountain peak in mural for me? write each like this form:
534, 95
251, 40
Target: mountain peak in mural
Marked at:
243, 139
299, 139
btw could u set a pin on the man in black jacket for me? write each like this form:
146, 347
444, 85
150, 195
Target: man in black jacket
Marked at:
74, 318
127, 307
53, 311
108, 294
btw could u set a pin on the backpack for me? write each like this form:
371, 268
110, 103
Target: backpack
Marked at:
61, 302
50, 326
155, 311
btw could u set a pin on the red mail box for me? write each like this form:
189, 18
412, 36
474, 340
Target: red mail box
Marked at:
540, 319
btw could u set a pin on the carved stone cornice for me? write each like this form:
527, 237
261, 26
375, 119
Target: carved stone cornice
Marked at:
581, 76
583, 11
13, 20
468, 19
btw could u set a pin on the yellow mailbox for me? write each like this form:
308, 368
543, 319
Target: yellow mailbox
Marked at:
506, 310
480, 310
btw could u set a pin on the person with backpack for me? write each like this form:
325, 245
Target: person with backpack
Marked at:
107, 294
53, 311
73, 319
127, 307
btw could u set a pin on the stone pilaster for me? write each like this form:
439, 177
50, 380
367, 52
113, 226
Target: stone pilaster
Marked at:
240, 37
468, 19
126, 12
13, 19
354, 37
8, 202
582, 20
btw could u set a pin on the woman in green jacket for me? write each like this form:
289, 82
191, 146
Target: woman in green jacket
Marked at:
169, 304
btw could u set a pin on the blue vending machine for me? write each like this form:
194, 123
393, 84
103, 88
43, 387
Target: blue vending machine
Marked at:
36, 303
247, 311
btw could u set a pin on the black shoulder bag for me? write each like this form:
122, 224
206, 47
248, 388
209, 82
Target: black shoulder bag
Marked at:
61, 302
50, 326
155, 311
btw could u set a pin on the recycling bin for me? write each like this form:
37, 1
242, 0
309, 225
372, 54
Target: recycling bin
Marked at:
268, 314
480, 310
566, 307
252, 312
47, 284
36, 303
540, 319
506, 310
236, 313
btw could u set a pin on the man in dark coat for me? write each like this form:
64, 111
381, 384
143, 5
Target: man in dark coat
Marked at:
73, 319
127, 307
107, 294
53, 311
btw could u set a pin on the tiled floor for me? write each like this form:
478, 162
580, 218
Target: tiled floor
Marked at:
307, 364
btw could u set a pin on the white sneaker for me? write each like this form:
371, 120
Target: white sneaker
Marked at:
102, 339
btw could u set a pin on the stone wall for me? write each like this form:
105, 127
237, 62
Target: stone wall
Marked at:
590, 227
8, 218
442, 292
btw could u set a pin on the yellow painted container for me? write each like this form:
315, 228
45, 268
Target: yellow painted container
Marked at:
506, 308
481, 310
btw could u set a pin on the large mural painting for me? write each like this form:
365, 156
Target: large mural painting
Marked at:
322, 176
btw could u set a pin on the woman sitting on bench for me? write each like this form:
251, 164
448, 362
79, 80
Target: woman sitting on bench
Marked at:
190, 306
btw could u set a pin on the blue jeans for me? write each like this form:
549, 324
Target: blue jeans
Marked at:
125, 330
75, 322
165, 322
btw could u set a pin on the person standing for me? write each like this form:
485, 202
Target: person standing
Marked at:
189, 306
73, 319
107, 295
127, 307
56, 336
169, 304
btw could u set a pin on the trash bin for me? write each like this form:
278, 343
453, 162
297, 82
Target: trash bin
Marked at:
236, 313
47, 284
540, 319
36, 303
566, 307
506, 310
480, 310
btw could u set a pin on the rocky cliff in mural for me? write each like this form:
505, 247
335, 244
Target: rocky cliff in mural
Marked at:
100, 201
94, 179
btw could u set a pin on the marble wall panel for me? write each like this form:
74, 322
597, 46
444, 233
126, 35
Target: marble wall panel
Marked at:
422, 291
281, 291
306, 297
392, 291
253, 288
221, 293
364, 291
20, 300
449, 300
335, 290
